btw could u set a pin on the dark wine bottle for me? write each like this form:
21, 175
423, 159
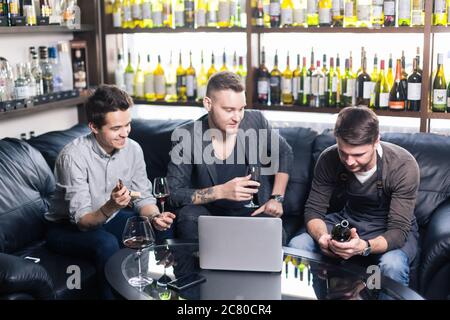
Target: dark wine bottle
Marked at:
397, 96
275, 83
364, 86
263, 79
414, 88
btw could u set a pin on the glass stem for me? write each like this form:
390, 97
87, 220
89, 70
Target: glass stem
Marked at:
139, 264
162, 206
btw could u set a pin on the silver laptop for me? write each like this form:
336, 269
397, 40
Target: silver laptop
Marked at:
240, 243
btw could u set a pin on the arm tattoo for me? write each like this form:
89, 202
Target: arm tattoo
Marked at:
203, 196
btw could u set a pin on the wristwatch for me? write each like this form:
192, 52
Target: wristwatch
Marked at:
277, 197
366, 251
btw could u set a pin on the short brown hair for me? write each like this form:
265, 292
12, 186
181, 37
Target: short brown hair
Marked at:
107, 98
224, 80
357, 126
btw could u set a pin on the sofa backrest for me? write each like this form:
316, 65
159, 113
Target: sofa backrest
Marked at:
432, 153
26, 183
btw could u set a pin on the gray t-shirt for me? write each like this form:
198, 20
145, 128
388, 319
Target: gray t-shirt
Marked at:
400, 177
86, 175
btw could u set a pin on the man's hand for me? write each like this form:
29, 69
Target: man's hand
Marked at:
120, 196
271, 207
348, 249
163, 221
324, 244
239, 189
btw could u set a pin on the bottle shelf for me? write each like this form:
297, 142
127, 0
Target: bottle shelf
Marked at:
43, 107
165, 103
438, 115
387, 113
176, 30
440, 29
44, 29
339, 30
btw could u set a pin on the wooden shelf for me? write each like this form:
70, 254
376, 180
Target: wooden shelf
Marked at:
339, 30
170, 30
438, 115
386, 113
165, 103
440, 29
43, 29
43, 107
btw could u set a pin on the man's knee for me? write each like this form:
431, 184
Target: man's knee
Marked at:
395, 265
106, 247
303, 242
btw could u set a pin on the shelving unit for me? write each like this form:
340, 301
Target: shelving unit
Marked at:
253, 39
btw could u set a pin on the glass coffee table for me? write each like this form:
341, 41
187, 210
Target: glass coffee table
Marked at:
304, 276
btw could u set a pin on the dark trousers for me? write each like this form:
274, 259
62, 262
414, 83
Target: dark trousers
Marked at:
96, 245
187, 219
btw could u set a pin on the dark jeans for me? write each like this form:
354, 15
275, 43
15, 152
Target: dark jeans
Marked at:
187, 219
96, 245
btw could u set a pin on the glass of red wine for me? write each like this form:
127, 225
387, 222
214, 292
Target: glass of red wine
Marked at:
255, 172
138, 234
161, 190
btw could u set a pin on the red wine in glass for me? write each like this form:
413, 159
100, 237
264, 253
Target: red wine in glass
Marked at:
254, 171
161, 190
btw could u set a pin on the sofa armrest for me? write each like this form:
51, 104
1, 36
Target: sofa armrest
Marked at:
26, 278
436, 245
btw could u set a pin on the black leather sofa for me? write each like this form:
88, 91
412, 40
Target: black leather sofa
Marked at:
26, 182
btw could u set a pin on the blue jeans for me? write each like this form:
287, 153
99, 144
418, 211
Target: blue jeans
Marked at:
97, 245
393, 264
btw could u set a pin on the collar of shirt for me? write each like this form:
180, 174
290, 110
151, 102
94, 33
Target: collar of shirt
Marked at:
99, 150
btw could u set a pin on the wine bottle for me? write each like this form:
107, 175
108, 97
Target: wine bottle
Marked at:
189, 13
363, 86
159, 81
299, 16
312, 16
200, 14
129, 76
136, 14
259, 19
275, 83
332, 81
224, 62
309, 75
263, 81
286, 85
171, 82
326, 87
157, 16
202, 80
404, 13
339, 82
275, 12
117, 14
167, 14
418, 13
287, 13
318, 88
404, 80
337, 13
149, 85
325, 13
147, 14
440, 13
138, 84
305, 86
390, 74
181, 80
350, 13
348, 85
212, 69
119, 72
389, 13
223, 19
439, 98
191, 88
179, 14
377, 15
363, 13
296, 81
382, 90
414, 88
241, 71
397, 96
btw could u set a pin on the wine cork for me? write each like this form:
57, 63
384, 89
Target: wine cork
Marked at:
135, 194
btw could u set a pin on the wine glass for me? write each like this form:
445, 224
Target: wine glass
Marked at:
138, 234
161, 190
167, 261
255, 172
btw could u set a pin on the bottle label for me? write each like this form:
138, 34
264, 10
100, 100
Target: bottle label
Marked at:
274, 9
190, 85
224, 11
439, 96
367, 89
160, 85
212, 16
384, 99
275, 81
414, 91
136, 11
448, 102
286, 16
417, 18
119, 78
334, 84
171, 89
336, 7
129, 77
448, 14
295, 87
404, 9
299, 16
200, 18
117, 19
263, 87
146, 11
21, 92
348, 10
127, 14
179, 18
389, 8
439, 6
148, 84
312, 6
139, 89
307, 85
157, 18
324, 15
397, 105
286, 86
349, 92
363, 12
201, 91
377, 12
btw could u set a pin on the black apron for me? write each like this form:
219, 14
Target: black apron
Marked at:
368, 212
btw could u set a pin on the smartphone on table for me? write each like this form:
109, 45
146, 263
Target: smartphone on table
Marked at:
186, 281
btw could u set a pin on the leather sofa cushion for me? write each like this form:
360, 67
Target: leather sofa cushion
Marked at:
26, 183
51, 143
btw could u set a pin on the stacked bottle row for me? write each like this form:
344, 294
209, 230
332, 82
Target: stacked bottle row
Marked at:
40, 12
338, 13
319, 87
48, 71
178, 13
176, 84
